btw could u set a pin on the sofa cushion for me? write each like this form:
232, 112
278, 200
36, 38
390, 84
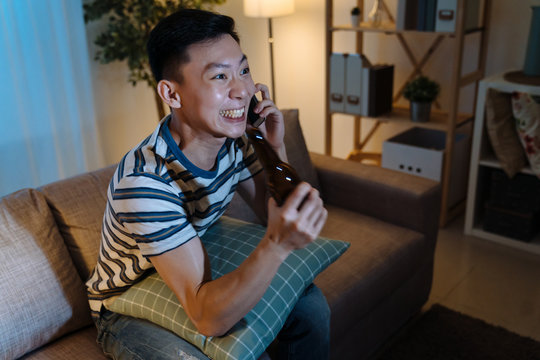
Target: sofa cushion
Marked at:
78, 205
80, 345
381, 257
42, 295
297, 152
228, 243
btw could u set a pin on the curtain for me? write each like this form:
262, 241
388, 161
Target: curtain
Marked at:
47, 123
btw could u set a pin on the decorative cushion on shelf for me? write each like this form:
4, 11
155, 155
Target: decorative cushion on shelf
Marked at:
526, 109
228, 243
502, 132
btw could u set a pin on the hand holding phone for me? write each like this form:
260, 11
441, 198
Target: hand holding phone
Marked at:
254, 119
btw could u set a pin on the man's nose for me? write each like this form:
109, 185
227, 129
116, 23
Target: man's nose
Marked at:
241, 89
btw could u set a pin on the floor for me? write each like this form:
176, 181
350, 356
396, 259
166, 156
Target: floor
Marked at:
492, 282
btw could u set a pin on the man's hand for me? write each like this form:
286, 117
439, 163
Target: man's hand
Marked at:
298, 222
273, 128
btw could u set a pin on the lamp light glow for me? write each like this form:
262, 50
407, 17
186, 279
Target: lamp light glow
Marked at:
268, 8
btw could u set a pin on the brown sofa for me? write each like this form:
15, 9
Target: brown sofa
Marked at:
49, 239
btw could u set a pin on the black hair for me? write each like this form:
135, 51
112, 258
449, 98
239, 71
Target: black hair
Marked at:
169, 40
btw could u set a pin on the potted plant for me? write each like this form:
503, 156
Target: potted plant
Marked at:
355, 16
128, 26
421, 92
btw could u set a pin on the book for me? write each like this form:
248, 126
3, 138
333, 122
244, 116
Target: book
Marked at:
472, 13
411, 15
377, 90
422, 14
400, 14
407, 14
431, 11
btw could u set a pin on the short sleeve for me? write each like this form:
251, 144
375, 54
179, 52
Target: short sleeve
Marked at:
152, 213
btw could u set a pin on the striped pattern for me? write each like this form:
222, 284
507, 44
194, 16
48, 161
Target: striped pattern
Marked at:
228, 243
158, 200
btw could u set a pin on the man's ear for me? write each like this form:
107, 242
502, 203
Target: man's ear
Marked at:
167, 91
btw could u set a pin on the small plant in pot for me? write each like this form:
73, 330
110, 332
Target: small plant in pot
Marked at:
355, 16
421, 92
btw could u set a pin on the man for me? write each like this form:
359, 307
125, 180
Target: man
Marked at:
177, 182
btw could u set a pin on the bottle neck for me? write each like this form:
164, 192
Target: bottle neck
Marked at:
265, 152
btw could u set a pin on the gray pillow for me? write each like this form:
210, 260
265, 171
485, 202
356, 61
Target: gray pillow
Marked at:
42, 295
78, 204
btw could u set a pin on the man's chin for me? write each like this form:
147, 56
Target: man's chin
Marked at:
236, 130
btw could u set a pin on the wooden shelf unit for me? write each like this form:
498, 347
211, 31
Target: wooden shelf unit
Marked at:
448, 121
438, 118
390, 28
483, 159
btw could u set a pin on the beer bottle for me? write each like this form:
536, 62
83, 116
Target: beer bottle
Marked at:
281, 178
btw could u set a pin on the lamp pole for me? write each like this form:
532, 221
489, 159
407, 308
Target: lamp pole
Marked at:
271, 45
269, 9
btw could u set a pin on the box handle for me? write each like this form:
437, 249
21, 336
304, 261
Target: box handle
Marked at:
353, 100
337, 97
446, 15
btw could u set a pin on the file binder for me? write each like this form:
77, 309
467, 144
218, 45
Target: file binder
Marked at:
377, 90
337, 82
353, 82
445, 17
407, 15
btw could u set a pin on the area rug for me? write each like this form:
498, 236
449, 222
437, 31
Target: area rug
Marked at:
444, 334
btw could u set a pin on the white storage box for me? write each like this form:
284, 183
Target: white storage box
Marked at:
420, 152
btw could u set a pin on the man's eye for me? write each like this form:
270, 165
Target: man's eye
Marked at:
220, 76
245, 71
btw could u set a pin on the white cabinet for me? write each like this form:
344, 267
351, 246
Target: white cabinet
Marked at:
483, 160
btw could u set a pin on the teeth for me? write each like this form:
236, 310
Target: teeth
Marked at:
232, 113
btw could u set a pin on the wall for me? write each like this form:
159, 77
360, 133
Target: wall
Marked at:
127, 114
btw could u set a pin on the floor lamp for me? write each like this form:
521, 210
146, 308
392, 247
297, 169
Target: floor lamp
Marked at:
269, 9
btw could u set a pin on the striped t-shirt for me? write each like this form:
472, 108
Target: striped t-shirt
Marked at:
157, 201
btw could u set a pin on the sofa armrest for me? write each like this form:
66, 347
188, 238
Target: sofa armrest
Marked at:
402, 199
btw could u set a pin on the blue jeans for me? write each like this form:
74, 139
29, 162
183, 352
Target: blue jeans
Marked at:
305, 335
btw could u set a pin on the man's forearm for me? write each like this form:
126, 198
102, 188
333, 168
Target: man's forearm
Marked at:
221, 303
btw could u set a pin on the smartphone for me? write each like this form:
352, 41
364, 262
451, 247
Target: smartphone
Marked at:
254, 119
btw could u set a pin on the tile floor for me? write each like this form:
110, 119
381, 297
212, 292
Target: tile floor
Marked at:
492, 282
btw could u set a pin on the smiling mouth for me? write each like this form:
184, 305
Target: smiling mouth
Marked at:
232, 114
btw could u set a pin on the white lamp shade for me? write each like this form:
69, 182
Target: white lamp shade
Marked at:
268, 8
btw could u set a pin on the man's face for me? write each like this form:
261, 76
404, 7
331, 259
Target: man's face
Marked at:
216, 88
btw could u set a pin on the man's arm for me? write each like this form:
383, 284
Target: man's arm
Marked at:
214, 306
253, 190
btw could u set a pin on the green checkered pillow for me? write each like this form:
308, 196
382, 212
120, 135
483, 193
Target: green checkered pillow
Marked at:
228, 243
